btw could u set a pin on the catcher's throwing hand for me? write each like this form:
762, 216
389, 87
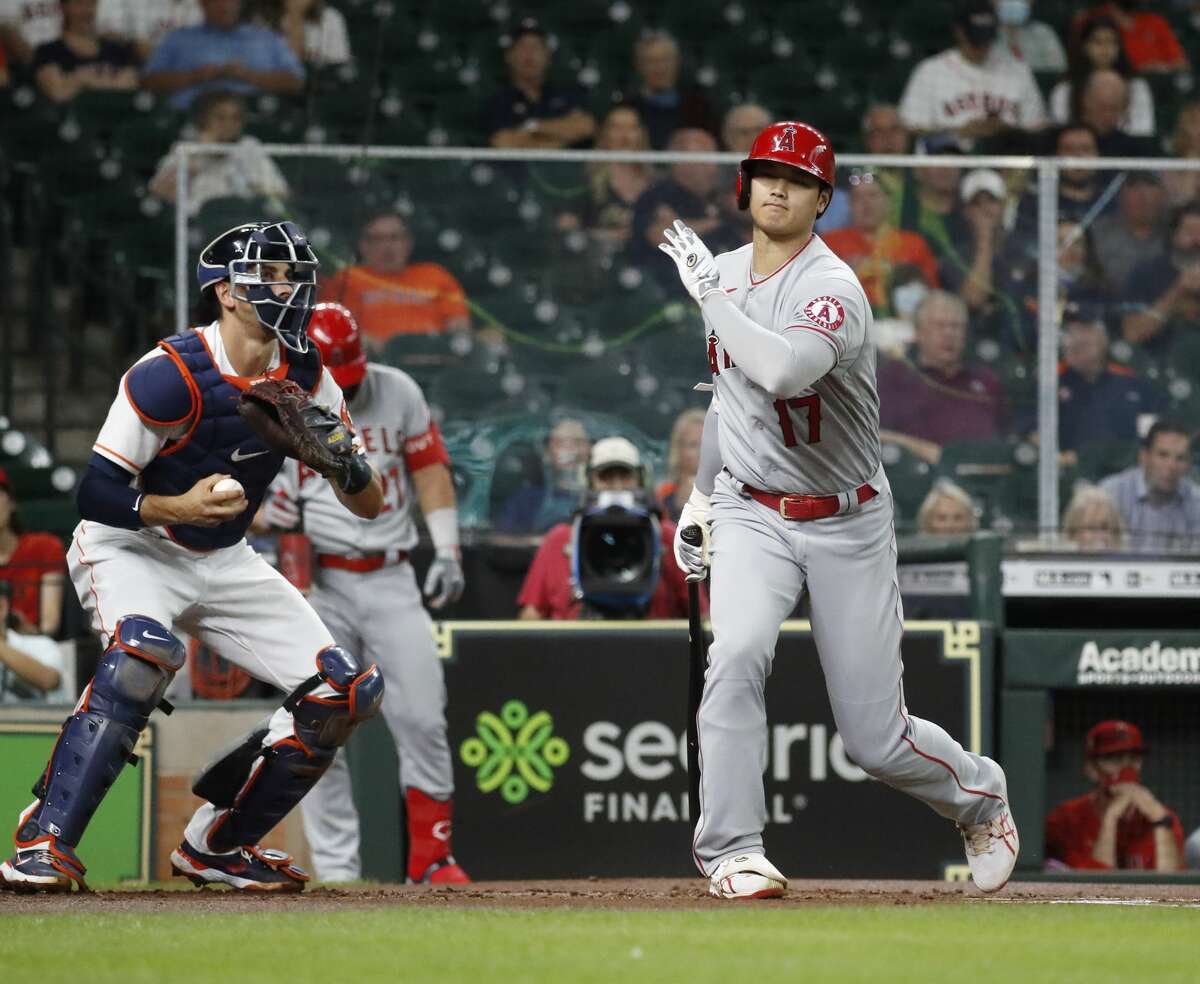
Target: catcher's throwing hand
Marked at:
287, 419
696, 265
445, 581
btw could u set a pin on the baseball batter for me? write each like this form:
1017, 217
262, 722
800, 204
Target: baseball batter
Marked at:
365, 590
791, 496
175, 477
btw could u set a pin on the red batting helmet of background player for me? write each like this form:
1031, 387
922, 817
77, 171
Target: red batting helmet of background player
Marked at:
795, 144
336, 335
1110, 737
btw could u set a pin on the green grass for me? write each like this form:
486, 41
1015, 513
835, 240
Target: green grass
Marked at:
967, 944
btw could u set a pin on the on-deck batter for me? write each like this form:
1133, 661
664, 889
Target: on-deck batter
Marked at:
791, 495
366, 591
160, 548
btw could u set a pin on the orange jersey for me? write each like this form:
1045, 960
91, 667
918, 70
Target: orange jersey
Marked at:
419, 300
873, 259
1073, 827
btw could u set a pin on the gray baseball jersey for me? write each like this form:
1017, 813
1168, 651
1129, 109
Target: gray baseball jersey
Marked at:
824, 439
394, 427
378, 615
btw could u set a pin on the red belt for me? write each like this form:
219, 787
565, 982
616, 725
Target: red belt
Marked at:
805, 507
364, 564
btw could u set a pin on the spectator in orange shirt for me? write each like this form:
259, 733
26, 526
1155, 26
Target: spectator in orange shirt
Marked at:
1149, 40
34, 564
1119, 824
390, 296
873, 248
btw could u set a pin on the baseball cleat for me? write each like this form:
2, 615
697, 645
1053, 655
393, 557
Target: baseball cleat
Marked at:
747, 876
444, 872
992, 848
248, 869
47, 867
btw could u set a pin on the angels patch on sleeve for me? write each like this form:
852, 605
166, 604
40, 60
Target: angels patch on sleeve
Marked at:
825, 312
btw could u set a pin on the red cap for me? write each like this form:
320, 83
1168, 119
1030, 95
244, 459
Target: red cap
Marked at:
336, 335
1110, 737
4, 482
789, 142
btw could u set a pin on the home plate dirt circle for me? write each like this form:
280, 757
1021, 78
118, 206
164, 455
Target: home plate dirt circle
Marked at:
644, 893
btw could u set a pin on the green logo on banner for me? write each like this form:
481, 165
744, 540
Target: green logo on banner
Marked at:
514, 752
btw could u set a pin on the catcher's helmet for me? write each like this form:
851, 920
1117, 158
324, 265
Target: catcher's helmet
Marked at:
795, 144
236, 256
336, 335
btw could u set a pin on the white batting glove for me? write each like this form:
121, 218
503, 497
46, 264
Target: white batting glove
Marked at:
693, 561
445, 581
695, 262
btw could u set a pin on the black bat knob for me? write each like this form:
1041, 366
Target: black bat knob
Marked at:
691, 535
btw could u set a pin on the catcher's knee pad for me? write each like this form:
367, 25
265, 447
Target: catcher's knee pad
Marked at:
259, 785
98, 739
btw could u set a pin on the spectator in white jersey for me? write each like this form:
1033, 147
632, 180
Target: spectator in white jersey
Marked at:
973, 89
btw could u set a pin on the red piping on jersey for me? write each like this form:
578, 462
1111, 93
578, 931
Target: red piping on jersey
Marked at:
931, 758
136, 469
91, 575
145, 416
755, 283
244, 382
174, 446
824, 332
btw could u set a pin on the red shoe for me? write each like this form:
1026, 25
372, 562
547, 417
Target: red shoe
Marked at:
429, 859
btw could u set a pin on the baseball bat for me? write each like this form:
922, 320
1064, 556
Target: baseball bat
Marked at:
697, 663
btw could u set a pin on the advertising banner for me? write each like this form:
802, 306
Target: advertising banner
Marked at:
1136, 658
568, 744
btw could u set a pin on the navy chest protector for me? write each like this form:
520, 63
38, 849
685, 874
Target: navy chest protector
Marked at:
217, 440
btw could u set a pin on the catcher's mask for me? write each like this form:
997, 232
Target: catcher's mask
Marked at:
239, 256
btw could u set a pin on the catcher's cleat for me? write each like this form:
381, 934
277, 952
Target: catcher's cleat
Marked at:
248, 869
992, 849
747, 876
46, 867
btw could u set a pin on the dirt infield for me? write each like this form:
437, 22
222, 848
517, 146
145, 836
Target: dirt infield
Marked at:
657, 894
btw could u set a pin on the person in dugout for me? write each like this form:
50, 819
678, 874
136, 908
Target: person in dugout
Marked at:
1119, 823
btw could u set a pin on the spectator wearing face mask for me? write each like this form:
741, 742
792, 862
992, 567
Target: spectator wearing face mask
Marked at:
1031, 41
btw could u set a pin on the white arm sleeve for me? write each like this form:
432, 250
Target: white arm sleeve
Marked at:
783, 365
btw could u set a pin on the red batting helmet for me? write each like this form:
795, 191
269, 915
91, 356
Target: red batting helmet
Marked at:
795, 144
335, 332
1110, 737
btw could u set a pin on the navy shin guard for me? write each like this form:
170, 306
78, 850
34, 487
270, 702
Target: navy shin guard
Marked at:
259, 793
98, 739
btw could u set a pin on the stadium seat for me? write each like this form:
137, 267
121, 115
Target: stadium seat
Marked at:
997, 474
910, 478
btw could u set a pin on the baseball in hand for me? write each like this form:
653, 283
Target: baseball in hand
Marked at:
229, 485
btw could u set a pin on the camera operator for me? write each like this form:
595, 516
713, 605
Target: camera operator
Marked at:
621, 572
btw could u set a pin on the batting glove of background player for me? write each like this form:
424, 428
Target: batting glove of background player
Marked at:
445, 581
693, 561
695, 262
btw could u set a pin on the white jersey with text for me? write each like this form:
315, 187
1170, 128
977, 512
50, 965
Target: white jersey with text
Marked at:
398, 435
824, 439
946, 92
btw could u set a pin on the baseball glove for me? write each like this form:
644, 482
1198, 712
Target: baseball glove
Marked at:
287, 419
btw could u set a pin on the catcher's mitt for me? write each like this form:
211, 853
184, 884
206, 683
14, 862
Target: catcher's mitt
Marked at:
286, 418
